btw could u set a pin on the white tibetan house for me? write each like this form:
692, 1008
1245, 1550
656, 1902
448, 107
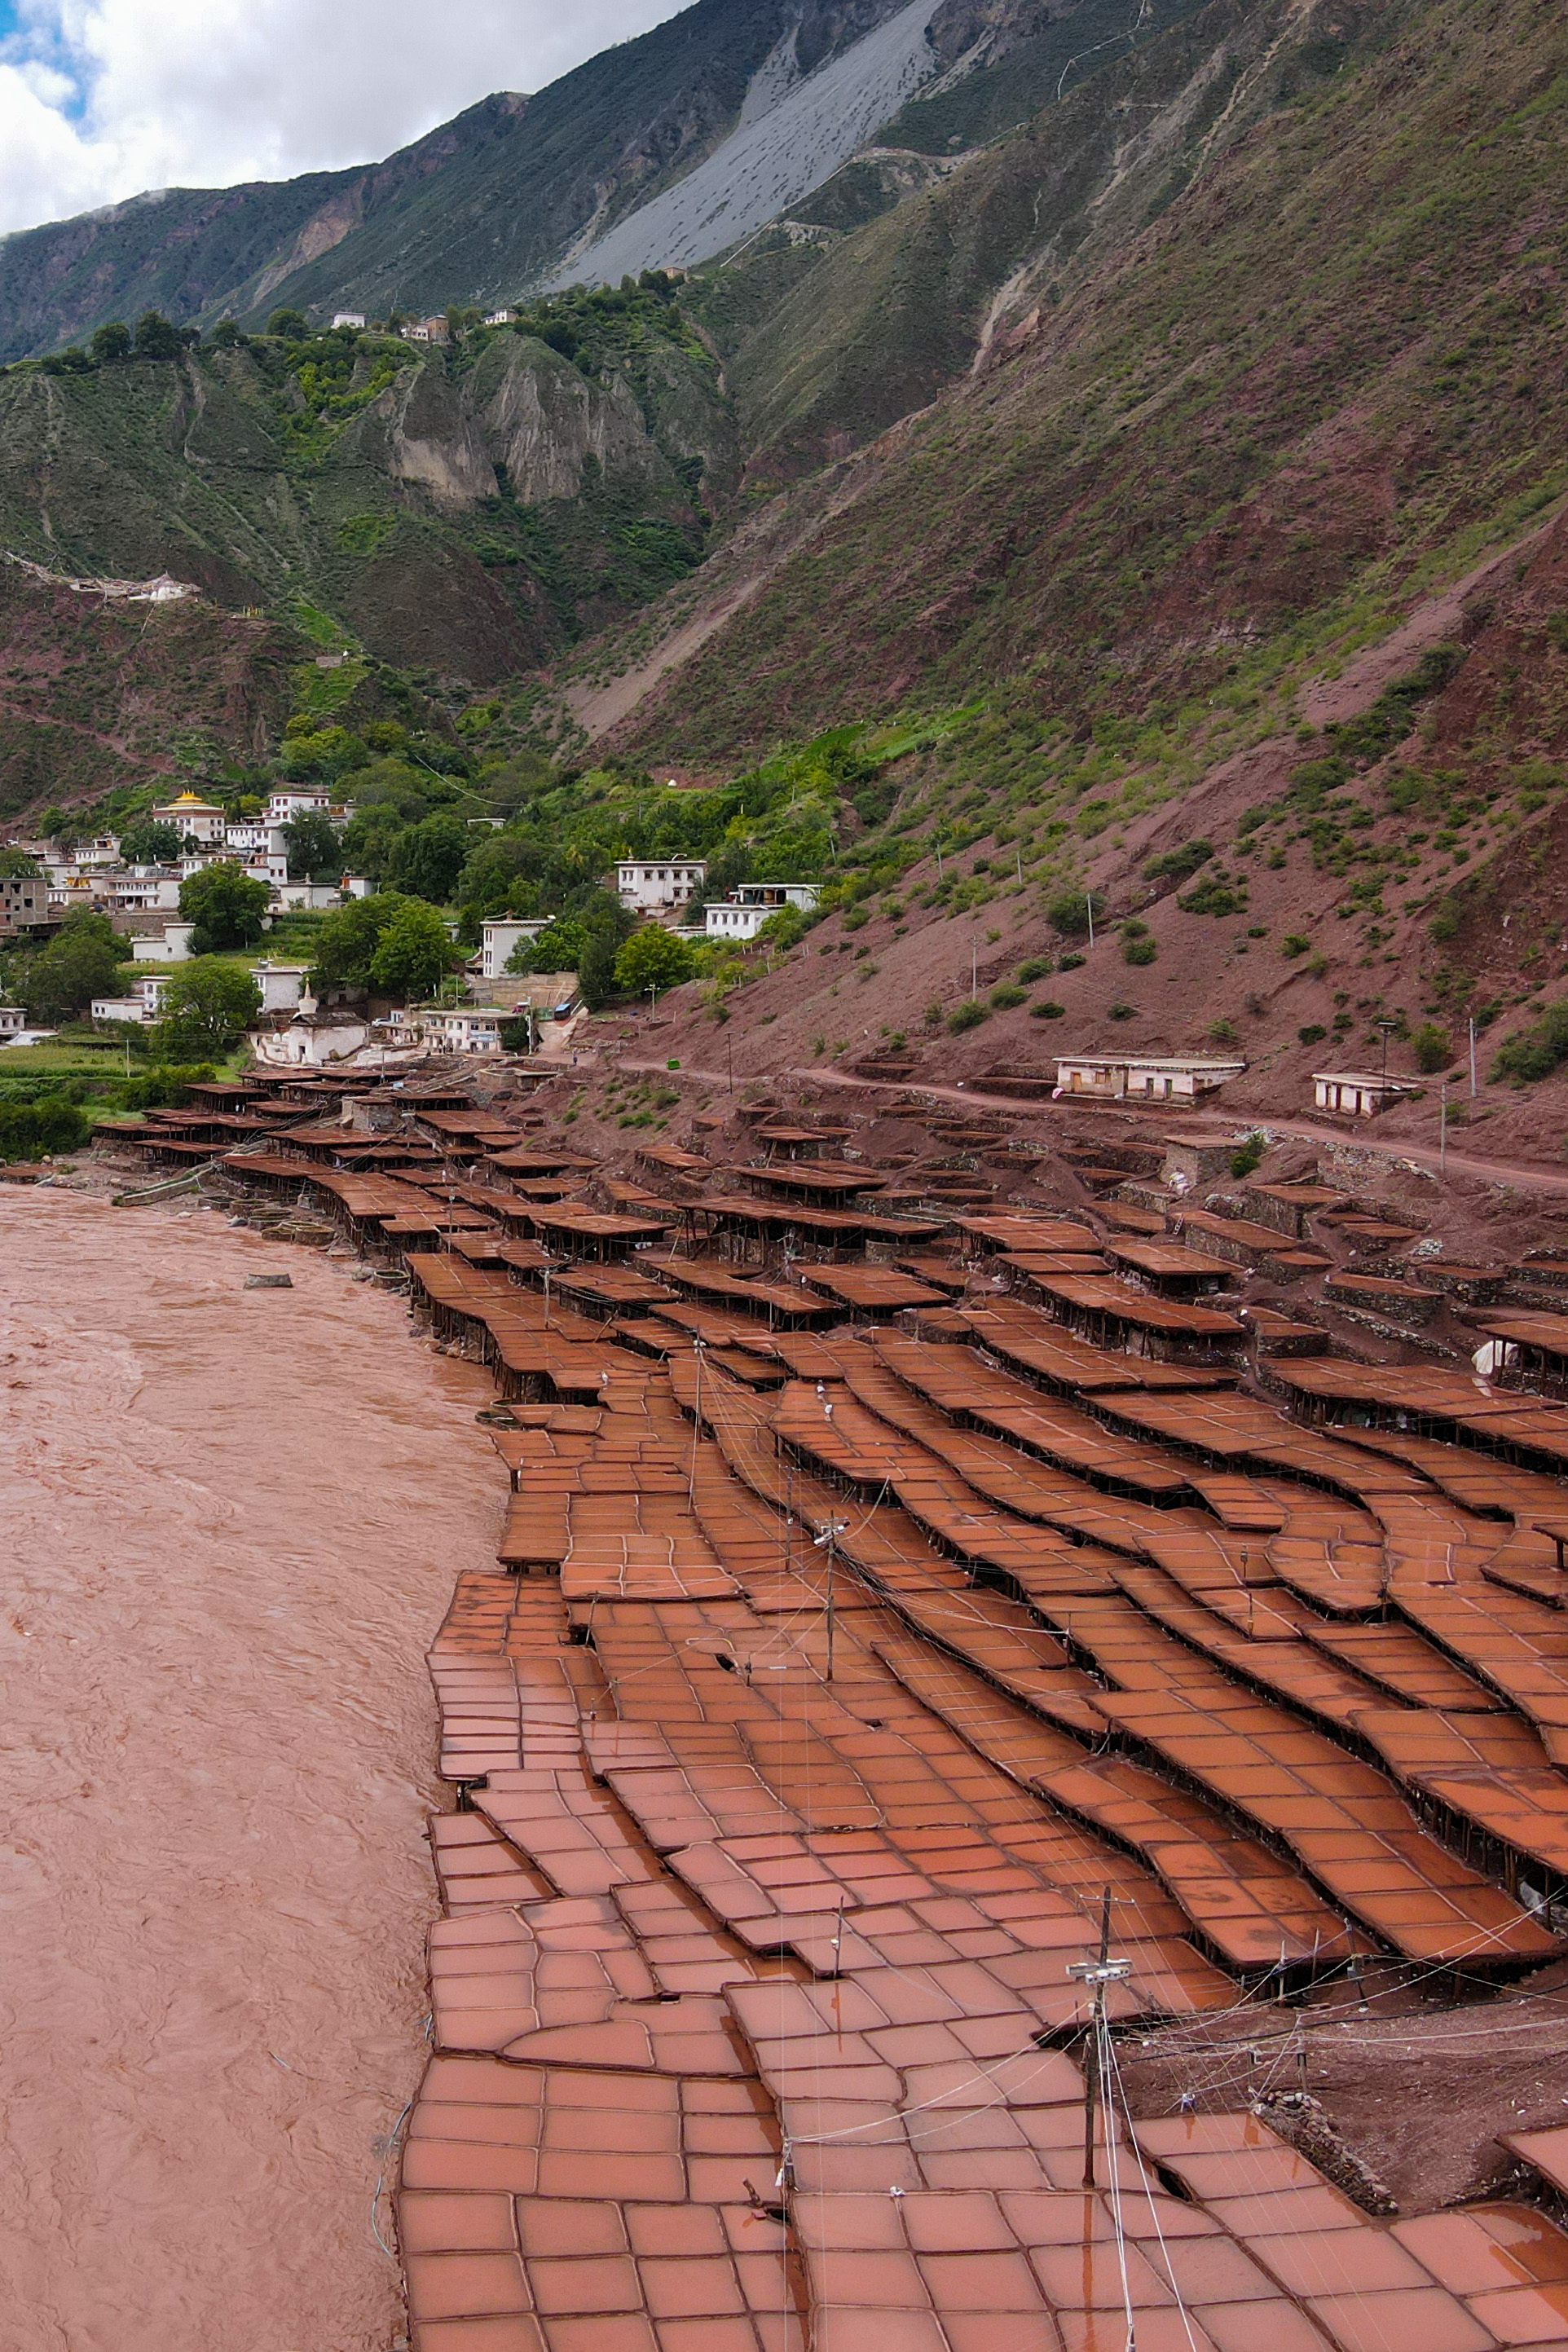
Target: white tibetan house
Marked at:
1358, 1094
650, 886
499, 939
742, 914
1132, 1078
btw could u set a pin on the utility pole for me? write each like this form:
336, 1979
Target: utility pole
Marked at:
1088, 904
1443, 1130
1099, 1974
1472, 1057
1018, 855
827, 1540
699, 1350
974, 966
1388, 1025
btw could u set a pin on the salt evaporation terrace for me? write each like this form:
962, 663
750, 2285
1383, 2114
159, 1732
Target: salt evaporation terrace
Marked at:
900, 1606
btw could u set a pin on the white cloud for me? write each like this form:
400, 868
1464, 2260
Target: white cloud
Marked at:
102, 99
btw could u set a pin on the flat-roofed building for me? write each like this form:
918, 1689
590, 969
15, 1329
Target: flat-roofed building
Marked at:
170, 945
645, 884
741, 915
501, 938
1358, 1094
1135, 1078
461, 1029
24, 903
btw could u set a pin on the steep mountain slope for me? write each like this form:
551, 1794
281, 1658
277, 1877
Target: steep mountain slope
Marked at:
465, 513
95, 695
1336, 358
794, 131
495, 201
1243, 549
873, 323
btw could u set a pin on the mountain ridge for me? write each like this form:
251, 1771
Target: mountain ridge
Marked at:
478, 209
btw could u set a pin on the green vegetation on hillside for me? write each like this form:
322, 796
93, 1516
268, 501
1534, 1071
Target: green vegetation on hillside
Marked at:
461, 510
1330, 373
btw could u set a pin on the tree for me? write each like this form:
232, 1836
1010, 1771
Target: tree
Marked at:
321, 753
83, 961
525, 777
414, 953
208, 1004
157, 338
289, 324
59, 827
226, 905
653, 957
346, 943
559, 947
314, 849
111, 343
1069, 912
154, 841
597, 970
15, 863
225, 335
30, 1130
426, 860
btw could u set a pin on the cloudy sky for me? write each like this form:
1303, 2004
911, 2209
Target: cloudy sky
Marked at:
99, 98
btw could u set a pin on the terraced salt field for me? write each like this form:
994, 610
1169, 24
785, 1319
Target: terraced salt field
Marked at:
870, 1649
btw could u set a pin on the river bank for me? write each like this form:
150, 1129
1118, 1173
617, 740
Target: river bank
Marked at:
232, 1522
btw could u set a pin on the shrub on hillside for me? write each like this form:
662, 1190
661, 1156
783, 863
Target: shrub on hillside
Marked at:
1046, 1010
1069, 912
1434, 1048
1535, 1053
1249, 1156
1005, 998
1177, 864
968, 1015
1037, 968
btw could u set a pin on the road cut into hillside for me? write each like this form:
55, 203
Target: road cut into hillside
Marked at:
231, 1522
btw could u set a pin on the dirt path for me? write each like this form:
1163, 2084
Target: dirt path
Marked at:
232, 1519
598, 709
1527, 1178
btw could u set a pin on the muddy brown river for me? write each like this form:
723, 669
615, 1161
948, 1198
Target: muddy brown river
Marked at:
229, 1521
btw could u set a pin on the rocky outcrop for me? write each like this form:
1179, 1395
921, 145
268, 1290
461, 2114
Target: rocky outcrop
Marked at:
541, 419
435, 444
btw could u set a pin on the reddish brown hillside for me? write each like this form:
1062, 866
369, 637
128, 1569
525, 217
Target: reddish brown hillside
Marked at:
1428, 884
91, 694
1329, 370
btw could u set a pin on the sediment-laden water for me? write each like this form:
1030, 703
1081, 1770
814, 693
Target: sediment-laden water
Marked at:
229, 1521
